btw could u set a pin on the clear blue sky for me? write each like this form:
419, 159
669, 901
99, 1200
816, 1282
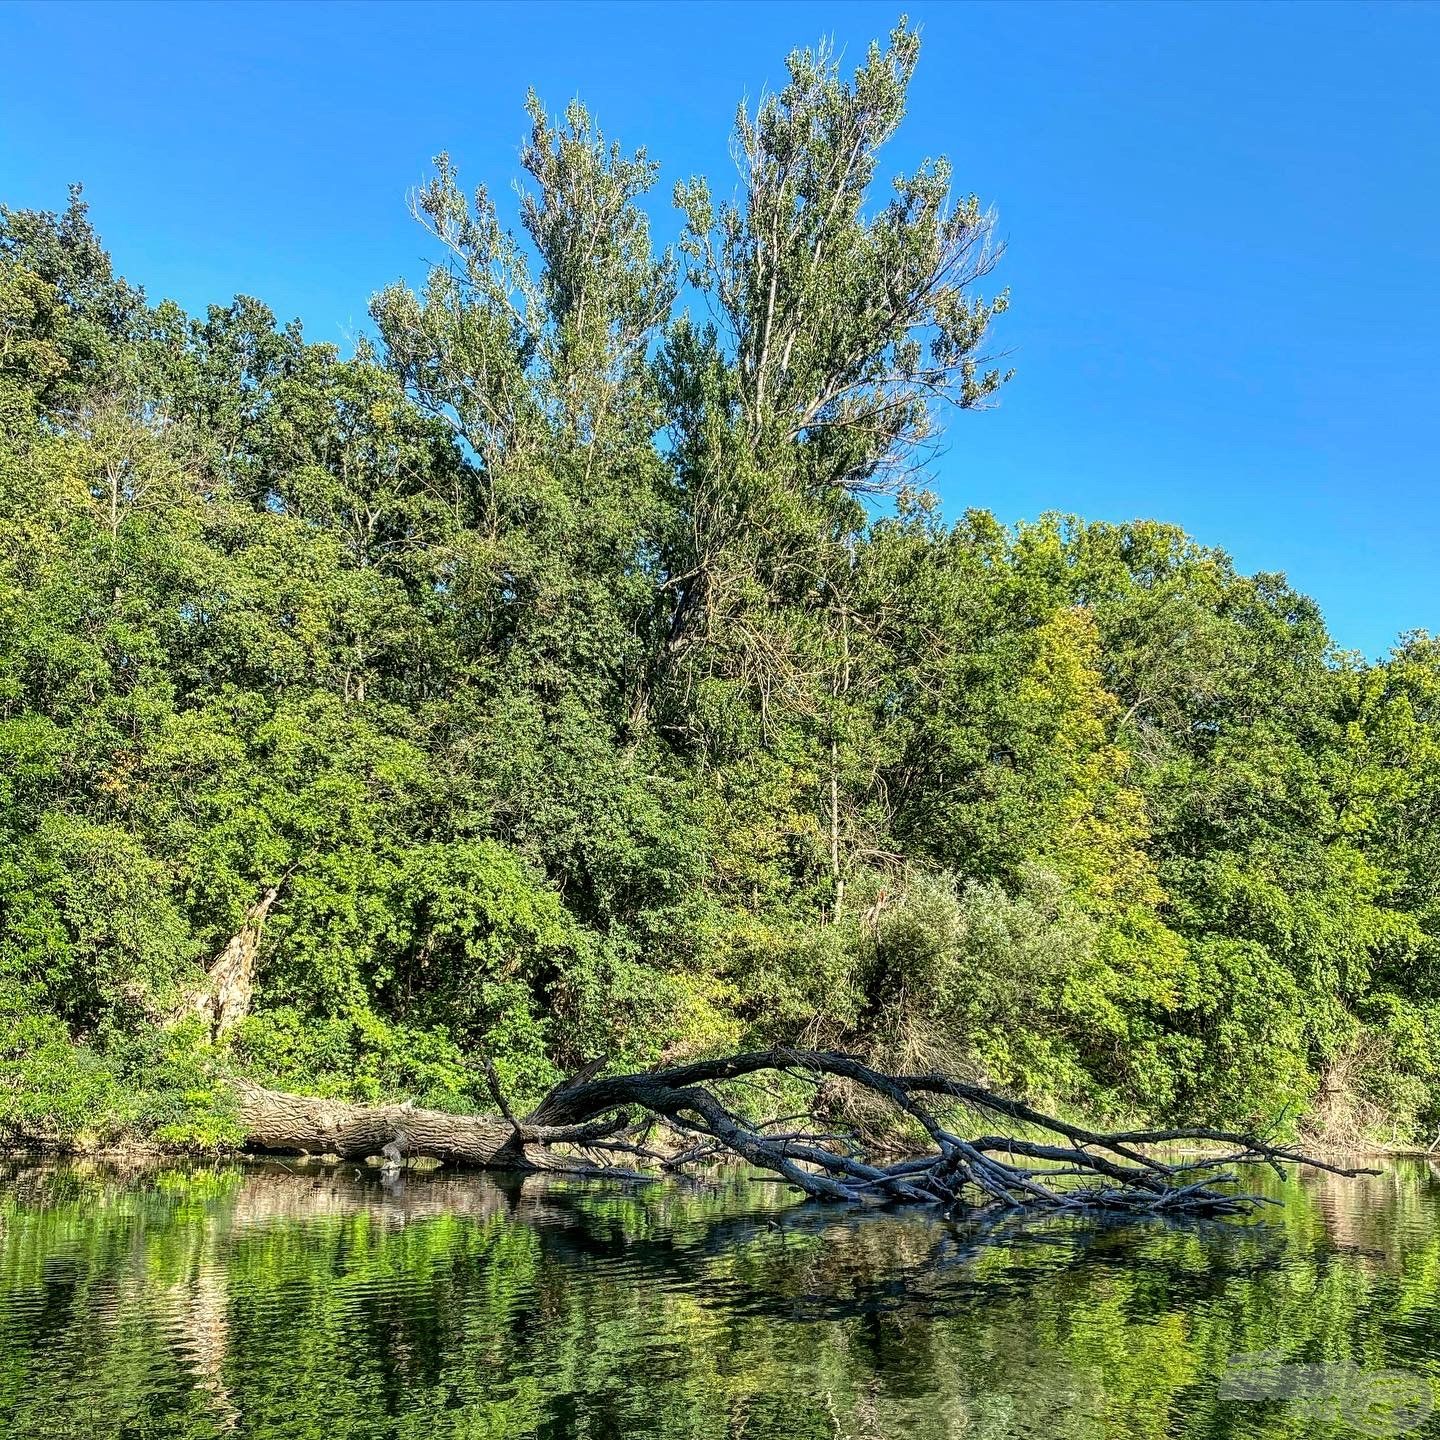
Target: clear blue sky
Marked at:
1224, 221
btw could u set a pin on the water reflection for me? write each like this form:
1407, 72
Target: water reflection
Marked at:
275, 1301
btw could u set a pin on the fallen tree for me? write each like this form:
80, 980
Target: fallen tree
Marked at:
590, 1120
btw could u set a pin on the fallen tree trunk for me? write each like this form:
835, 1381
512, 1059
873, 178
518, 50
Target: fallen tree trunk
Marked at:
275, 1120
1040, 1163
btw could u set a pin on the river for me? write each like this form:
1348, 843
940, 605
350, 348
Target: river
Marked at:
274, 1301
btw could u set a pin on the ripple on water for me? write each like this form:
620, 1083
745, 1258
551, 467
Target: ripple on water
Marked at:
271, 1302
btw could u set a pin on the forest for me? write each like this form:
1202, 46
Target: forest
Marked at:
581, 668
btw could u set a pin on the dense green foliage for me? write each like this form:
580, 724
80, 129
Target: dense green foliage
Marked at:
590, 677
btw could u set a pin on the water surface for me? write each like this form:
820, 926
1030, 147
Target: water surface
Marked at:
280, 1301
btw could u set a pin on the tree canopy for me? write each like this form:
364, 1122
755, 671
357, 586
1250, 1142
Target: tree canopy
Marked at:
586, 668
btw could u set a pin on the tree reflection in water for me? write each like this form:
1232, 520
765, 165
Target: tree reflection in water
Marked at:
272, 1301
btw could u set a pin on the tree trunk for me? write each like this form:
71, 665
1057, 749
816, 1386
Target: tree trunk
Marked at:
224, 997
277, 1121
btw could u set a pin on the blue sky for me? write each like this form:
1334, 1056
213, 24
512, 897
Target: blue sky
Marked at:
1223, 220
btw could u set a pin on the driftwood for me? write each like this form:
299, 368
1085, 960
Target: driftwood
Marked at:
1040, 1162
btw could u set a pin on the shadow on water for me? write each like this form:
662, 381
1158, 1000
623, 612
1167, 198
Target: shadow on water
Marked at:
282, 1301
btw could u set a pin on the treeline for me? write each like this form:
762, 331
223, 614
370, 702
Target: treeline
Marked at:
584, 667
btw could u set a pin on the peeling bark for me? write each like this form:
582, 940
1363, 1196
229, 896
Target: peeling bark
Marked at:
224, 997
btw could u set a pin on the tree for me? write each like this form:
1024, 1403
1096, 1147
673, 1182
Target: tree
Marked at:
580, 668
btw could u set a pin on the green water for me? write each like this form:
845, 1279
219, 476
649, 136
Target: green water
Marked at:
250, 1301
